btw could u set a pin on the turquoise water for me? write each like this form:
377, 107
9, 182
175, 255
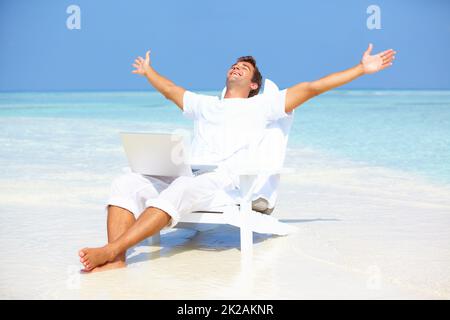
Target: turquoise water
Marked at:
404, 130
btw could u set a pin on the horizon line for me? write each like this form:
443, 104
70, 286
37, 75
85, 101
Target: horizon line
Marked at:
206, 89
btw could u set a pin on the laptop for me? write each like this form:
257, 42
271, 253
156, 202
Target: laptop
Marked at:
160, 154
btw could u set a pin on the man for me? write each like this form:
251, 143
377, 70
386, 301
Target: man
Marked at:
223, 128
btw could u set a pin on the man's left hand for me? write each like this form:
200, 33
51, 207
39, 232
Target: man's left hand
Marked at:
377, 62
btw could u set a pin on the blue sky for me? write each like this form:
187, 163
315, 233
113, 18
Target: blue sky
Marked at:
194, 42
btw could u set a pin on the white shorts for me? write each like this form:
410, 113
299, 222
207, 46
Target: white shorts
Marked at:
174, 195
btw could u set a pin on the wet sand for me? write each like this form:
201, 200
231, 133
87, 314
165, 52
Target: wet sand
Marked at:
364, 233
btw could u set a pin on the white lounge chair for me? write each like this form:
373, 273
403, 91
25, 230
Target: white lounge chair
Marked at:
255, 182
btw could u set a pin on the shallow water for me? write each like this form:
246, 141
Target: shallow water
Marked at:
370, 197
406, 130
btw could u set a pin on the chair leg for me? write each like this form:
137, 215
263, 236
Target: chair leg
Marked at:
246, 231
246, 241
245, 184
155, 239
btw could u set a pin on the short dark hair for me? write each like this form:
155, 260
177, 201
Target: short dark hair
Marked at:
257, 77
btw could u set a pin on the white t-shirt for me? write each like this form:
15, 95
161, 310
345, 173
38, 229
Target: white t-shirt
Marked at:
225, 127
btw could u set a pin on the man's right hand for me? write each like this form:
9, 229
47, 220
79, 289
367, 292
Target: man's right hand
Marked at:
142, 66
166, 87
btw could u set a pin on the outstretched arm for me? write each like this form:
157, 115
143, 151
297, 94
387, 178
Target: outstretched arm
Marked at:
301, 92
169, 89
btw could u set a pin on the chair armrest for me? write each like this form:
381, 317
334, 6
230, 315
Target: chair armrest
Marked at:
252, 171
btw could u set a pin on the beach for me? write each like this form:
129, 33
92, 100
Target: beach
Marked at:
373, 215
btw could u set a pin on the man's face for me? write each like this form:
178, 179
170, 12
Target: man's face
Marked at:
241, 73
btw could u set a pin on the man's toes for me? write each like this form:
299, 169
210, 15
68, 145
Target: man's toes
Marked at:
81, 253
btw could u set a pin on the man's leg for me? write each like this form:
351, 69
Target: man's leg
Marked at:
181, 197
149, 222
119, 220
128, 194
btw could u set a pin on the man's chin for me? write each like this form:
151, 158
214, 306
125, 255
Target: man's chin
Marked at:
233, 80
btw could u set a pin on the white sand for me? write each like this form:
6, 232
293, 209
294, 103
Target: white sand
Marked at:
364, 232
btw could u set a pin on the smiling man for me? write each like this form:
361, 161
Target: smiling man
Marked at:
224, 127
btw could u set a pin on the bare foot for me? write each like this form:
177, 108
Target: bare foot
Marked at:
107, 266
94, 257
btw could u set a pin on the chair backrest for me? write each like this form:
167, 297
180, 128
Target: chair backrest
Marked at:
273, 147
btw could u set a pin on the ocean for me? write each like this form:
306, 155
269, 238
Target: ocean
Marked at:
409, 131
